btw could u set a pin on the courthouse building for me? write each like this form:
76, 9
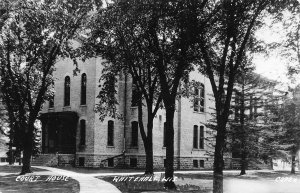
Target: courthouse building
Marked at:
73, 134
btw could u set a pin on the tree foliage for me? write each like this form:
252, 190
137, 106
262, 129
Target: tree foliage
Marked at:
35, 35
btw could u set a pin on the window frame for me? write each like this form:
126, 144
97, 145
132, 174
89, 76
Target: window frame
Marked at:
199, 98
110, 133
67, 91
134, 135
82, 132
83, 89
195, 137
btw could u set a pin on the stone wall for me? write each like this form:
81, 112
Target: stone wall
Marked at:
134, 161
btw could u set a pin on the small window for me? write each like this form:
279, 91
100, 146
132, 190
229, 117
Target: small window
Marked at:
201, 141
134, 133
195, 138
201, 163
133, 162
81, 161
82, 132
110, 133
165, 134
51, 101
83, 89
67, 91
165, 162
110, 162
195, 163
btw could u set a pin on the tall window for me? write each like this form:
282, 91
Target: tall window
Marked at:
195, 141
83, 89
67, 91
110, 133
201, 141
199, 99
82, 132
51, 101
198, 137
165, 134
134, 133
134, 96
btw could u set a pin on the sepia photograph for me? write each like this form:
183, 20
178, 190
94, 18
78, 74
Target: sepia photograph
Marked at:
144, 96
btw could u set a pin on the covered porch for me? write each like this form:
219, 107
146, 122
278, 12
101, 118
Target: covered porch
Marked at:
59, 132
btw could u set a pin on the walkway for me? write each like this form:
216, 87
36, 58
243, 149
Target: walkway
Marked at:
88, 184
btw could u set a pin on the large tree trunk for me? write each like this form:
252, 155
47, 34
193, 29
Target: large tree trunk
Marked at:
243, 161
218, 160
27, 153
169, 170
293, 171
149, 148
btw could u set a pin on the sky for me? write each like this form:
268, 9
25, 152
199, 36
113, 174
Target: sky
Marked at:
273, 66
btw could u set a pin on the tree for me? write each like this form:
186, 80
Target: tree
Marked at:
223, 45
111, 38
253, 95
162, 39
34, 37
289, 138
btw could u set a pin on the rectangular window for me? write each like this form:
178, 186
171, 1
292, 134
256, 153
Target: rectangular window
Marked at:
110, 162
199, 98
165, 134
82, 132
134, 96
195, 138
195, 163
81, 161
133, 162
201, 141
202, 94
134, 133
51, 101
201, 163
110, 133
165, 162
196, 100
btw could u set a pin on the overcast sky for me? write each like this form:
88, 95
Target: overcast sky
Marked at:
273, 66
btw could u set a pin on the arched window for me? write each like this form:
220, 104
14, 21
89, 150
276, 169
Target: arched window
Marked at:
83, 89
134, 133
67, 91
82, 132
110, 133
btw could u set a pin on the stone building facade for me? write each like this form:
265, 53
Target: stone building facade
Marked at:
73, 130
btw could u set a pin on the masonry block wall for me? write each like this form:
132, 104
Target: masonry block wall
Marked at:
96, 151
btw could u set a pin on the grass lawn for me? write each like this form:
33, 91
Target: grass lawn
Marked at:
252, 182
9, 175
